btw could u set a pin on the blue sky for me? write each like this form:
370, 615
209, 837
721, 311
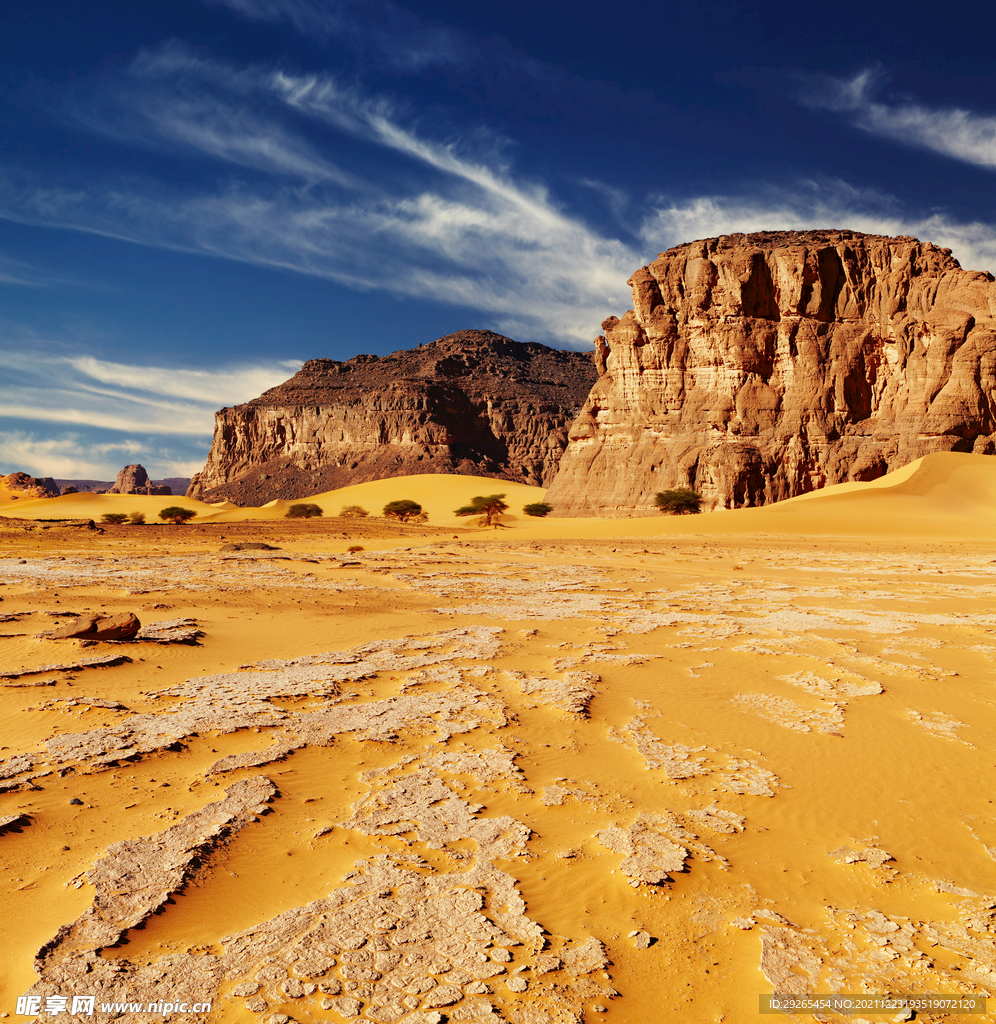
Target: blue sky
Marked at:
197, 196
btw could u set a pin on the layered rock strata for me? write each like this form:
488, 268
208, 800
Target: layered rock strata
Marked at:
757, 367
473, 402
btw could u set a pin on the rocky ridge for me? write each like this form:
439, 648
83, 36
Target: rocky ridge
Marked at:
757, 367
473, 402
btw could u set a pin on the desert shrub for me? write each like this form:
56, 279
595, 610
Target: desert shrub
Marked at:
488, 506
136, 518
680, 501
353, 512
176, 515
537, 508
354, 549
114, 518
303, 510
403, 510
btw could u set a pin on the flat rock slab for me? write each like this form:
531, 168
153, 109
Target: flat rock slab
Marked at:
101, 661
171, 631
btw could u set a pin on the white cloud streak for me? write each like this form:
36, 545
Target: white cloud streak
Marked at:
41, 385
817, 205
381, 31
953, 132
70, 456
437, 224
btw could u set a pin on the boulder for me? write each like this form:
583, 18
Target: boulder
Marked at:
95, 626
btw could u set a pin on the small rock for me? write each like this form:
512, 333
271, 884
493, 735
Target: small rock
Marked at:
245, 988
517, 984
641, 939
257, 1005
277, 1018
76, 800
99, 627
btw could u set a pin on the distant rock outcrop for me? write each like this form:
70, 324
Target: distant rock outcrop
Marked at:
473, 402
135, 480
20, 485
757, 367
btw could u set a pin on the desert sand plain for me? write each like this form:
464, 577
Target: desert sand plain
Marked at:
631, 771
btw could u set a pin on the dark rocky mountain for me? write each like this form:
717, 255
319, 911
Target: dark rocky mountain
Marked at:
473, 402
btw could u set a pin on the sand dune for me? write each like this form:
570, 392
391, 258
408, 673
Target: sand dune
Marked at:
945, 494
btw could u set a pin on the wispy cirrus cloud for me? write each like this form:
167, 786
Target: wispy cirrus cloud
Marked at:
40, 382
380, 31
72, 456
953, 131
423, 217
817, 204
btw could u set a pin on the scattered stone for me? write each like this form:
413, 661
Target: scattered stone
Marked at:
641, 939
249, 545
517, 984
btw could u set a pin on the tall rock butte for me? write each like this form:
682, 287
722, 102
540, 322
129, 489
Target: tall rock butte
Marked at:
473, 402
757, 367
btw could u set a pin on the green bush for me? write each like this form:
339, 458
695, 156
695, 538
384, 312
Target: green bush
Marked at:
488, 506
114, 518
176, 515
403, 510
303, 510
353, 512
136, 518
537, 508
680, 501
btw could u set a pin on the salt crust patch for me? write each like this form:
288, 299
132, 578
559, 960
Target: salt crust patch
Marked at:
734, 774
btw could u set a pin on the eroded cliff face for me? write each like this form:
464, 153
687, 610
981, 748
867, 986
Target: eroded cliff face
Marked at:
757, 367
473, 402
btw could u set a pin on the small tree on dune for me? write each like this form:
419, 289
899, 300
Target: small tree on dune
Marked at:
304, 510
353, 512
537, 508
403, 510
488, 506
680, 501
114, 518
176, 515
136, 518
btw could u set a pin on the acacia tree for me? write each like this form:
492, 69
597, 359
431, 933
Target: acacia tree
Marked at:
114, 518
488, 506
680, 501
538, 509
303, 510
176, 515
403, 510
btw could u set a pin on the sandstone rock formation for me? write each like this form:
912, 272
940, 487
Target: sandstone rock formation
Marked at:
20, 485
473, 402
135, 480
757, 367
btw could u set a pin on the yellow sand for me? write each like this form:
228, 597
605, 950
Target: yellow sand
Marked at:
756, 636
